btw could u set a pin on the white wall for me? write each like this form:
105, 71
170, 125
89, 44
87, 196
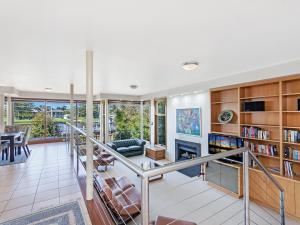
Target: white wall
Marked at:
200, 100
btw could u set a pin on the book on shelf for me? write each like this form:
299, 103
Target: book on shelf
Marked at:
275, 169
291, 136
271, 150
288, 169
291, 153
255, 132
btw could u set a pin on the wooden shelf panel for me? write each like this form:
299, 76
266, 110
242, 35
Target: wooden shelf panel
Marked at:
291, 160
291, 119
271, 119
257, 139
259, 125
259, 97
291, 143
228, 102
267, 156
217, 123
228, 95
225, 133
291, 94
261, 112
291, 87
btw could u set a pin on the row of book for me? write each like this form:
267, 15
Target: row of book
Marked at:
255, 132
291, 153
291, 136
288, 169
225, 141
268, 149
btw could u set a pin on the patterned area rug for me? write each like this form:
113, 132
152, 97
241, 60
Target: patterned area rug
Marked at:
68, 214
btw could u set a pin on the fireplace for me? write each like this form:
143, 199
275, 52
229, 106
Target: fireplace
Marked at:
185, 150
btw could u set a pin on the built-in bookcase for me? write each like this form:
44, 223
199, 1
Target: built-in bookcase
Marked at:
281, 113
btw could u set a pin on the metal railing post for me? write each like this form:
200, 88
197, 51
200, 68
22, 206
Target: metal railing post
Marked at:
282, 216
145, 200
246, 187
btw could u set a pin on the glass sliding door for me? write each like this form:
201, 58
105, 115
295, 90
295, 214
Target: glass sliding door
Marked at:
81, 116
124, 120
146, 120
57, 114
32, 113
160, 122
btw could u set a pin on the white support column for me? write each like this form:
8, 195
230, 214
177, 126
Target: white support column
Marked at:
142, 119
152, 133
106, 120
2, 112
89, 124
101, 127
9, 111
72, 119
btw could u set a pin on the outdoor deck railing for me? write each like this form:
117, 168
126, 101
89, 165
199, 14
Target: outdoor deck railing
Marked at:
175, 166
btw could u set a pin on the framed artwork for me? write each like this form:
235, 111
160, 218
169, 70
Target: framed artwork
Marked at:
188, 121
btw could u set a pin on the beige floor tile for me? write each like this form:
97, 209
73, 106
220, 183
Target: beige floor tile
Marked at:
19, 202
47, 195
2, 206
48, 180
46, 187
5, 196
15, 213
65, 183
24, 192
45, 204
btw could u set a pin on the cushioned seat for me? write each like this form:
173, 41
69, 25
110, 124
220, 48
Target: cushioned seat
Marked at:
122, 198
128, 147
134, 148
122, 149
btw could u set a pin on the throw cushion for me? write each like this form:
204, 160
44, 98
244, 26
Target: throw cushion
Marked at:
134, 148
122, 149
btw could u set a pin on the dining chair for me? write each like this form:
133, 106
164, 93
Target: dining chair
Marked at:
23, 143
4, 145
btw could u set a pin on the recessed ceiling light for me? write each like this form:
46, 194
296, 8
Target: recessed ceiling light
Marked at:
48, 89
133, 86
189, 66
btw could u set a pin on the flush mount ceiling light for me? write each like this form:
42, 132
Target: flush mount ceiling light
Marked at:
133, 86
48, 89
189, 66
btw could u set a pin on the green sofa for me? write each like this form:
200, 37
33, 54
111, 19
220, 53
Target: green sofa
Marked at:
128, 147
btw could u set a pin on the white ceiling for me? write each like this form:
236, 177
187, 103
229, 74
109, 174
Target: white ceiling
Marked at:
42, 43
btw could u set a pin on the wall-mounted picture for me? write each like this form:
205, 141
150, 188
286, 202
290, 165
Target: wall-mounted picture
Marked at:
188, 121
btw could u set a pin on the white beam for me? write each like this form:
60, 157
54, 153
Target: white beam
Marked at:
72, 118
152, 129
89, 124
9, 111
142, 120
1, 112
106, 120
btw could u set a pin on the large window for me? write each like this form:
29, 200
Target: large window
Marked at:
124, 120
81, 116
58, 113
160, 121
31, 113
146, 120
48, 118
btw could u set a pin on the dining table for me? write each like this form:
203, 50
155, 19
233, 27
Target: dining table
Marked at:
12, 137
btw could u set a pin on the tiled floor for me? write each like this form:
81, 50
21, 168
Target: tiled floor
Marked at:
47, 179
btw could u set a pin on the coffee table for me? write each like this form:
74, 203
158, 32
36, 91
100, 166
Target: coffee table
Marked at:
148, 165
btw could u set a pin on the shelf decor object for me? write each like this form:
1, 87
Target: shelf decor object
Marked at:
225, 116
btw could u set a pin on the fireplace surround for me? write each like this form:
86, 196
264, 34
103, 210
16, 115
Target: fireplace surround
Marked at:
185, 150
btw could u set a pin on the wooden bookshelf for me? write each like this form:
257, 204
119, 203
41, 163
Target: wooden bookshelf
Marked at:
281, 112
